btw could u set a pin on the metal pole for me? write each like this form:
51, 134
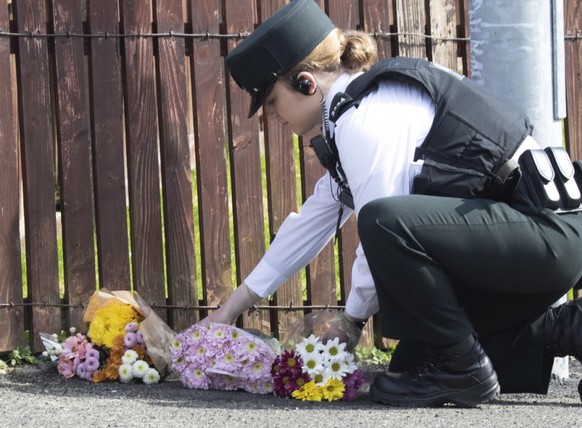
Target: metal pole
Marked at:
517, 51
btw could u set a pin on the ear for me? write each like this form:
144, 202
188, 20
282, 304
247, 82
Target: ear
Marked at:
305, 83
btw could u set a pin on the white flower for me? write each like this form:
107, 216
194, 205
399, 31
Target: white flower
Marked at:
125, 373
139, 368
337, 369
72, 330
351, 362
335, 350
313, 364
129, 357
309, 346
151, 376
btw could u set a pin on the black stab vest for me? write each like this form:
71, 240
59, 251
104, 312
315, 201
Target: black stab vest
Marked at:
467, 152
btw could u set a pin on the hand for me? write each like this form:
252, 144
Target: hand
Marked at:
240, 300
218, 316
345, 329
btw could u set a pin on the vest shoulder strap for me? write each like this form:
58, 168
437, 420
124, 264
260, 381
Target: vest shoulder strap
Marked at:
366, 83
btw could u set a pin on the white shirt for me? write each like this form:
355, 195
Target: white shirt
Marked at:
376, 144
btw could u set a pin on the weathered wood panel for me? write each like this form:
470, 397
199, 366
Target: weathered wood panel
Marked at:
37, 140
282, 196
245, 165
175, 156
411, 22
211, 169
74, 150
375, 19
443, 26
11, 317
573, 52
142, 155
108, 146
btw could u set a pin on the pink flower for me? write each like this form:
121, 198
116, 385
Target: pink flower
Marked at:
75, 346
65, 367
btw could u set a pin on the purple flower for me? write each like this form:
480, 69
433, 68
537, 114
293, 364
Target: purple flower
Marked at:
131, 327
139, 337
81, 370
353, 382
130, 340
91, 364
92, 353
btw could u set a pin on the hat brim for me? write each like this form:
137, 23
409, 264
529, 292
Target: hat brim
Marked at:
258, 99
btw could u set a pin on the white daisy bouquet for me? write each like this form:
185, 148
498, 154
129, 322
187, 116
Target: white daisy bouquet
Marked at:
314, 371
223, 357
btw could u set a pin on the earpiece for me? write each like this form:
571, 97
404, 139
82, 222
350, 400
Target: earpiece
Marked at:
303, 84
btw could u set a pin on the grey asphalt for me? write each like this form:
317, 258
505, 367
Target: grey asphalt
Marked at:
39, 397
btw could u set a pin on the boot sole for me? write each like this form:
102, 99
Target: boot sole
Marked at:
471, 397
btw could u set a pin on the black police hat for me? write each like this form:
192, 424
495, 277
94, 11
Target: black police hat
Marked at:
276, 46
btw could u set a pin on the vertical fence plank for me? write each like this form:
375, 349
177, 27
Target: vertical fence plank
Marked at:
411, 20
375, 18
176, 175
11, 318
74, 159
245, 165
282, 197
443, 25
344, 15
142, 155
108, 150
573, 48
463, 31
208, 87
321, 276
36, 134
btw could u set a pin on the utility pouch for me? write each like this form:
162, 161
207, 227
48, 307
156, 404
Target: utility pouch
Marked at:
564, 177
538, 179
577, 164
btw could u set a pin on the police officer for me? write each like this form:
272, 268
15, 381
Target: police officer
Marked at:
462, 275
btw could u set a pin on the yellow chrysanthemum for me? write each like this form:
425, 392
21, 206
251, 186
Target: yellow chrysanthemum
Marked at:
333, 390
308, 392
109, 322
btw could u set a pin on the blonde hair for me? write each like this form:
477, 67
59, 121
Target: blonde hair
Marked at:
353, 51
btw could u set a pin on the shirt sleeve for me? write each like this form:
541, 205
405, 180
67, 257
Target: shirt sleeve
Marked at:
299, 239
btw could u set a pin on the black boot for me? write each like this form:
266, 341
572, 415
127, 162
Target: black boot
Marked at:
461, 374
564, 330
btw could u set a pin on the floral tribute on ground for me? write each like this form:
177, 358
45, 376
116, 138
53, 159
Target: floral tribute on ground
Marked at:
124, 342
314, 371
224, 357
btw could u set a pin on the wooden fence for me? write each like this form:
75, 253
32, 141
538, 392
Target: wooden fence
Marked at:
127, 160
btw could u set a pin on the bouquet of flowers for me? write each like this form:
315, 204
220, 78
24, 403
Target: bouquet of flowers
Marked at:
314, 371
224, 357
125, 341
221, 356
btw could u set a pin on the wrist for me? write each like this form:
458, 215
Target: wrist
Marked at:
358, 322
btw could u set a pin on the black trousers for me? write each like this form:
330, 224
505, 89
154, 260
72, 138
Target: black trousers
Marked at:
445, 268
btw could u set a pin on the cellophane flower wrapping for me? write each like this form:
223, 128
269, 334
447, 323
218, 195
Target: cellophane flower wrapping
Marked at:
125, 340
224, 357
314, 366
